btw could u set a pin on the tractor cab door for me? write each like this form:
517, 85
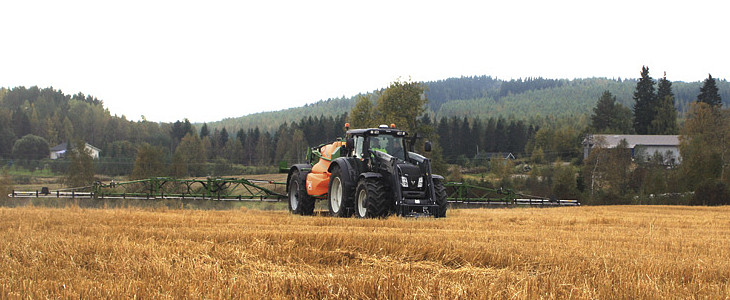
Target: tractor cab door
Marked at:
359, 151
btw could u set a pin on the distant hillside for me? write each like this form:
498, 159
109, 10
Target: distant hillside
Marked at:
270, 121
485, 97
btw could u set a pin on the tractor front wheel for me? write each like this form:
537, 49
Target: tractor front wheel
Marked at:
372, 199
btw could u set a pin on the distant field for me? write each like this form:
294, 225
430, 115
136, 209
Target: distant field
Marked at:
624, 252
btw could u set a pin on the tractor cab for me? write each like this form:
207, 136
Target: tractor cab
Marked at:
362, 142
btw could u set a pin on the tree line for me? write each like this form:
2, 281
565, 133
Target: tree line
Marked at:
33, 120
465, 139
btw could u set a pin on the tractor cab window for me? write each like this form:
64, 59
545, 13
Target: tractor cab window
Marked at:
390, 144
358, 146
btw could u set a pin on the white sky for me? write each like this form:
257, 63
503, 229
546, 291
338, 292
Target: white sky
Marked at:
208, 60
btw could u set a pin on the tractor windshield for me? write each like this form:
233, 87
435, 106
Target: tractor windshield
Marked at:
390, 144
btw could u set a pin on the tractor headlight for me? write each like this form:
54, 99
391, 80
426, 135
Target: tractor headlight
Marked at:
420, 182
404, 181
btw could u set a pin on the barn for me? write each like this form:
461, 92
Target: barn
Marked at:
643, 147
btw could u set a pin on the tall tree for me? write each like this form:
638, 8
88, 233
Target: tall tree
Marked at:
604, 114
264, 154
299, 146
645, 102
283, 143
363, 113
21, 123
665, 119
7, 135
445, 138
709, 92
149, 162
664, 88
468, 145
402, 103
608, 167
193, 156
705, 145
204, 131
221, 142
80, 170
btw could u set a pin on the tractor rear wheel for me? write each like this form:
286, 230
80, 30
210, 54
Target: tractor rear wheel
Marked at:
338, 196
372, 199
440, 198
299, 201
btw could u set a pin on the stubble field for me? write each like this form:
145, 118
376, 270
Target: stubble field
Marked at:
622, 252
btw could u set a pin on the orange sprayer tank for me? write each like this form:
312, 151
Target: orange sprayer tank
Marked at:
318, 179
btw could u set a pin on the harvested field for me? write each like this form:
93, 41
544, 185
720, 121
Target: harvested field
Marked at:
624, 252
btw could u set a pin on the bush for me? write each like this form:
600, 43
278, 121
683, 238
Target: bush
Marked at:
31, 147
564, 183
608, 197
711, 192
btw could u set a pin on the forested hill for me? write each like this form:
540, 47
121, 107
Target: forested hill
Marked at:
486, 97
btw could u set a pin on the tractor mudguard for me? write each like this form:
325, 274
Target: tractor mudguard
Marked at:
439, 177
303, 169
347, 169
368, 175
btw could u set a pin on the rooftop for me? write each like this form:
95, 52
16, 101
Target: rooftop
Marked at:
612, 140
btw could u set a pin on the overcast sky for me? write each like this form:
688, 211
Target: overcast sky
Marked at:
208, 60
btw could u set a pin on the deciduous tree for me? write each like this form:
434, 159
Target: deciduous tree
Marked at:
149, 162
402, 103
193, 156
31, 147
363, 114
80, 170
704, 145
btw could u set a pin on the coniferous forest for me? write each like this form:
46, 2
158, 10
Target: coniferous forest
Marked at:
472, 120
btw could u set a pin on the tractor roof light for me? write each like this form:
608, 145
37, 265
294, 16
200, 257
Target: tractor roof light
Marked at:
347, 126
383, 126
392, 125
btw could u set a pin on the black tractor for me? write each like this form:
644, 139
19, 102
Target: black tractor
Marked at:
374, 172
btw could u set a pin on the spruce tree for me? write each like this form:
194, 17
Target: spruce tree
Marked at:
709, 93
610, 116
645, 102
664, 88
665, 120
603, 113
204, 131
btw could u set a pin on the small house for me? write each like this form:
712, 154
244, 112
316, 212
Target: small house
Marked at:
59, 151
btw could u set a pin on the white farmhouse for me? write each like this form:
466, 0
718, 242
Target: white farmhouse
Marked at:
60, 151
